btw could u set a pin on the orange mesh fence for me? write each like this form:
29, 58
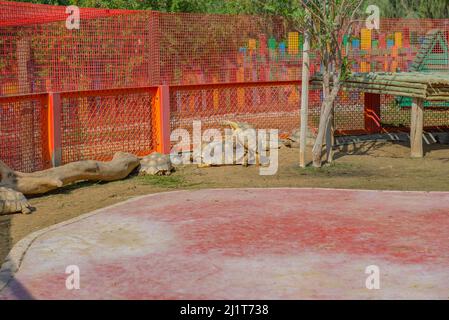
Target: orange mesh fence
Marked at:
38, 53
23, 132
267, 105
276, 105
199, 48
97, 124
125, 48
242, 68
23, 13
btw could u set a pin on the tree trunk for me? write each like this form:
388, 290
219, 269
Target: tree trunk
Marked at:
41, 182
327, 106
330, 136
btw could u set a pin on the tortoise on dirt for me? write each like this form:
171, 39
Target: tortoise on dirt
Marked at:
294, 139
239, 131
156, 164
226, 158
12, 201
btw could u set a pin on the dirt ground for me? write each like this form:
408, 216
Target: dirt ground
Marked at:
383, 166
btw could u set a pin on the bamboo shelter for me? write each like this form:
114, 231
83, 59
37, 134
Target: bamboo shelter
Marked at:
419, 86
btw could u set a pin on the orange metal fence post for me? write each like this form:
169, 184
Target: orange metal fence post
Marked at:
54, 128
372, 113
162, 119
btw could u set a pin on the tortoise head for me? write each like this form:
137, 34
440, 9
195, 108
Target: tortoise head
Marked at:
234, 125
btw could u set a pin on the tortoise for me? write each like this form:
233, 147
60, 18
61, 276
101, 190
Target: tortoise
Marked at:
12, 201
156, 164
293, 140
239, 131
226, 158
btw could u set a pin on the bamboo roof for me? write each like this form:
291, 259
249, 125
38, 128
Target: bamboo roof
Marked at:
431, 86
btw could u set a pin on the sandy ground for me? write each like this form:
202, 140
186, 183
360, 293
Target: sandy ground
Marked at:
370, 166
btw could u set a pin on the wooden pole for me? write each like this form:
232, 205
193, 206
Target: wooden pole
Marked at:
416, 128
304, 100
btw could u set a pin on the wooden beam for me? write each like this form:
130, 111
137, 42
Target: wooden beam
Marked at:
416, 128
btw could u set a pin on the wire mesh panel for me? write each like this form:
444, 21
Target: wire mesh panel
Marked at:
121, 48
95, 125
400, 45
277, 106
394, 115
125, 48
264, 105
23, 133
198, 48
209, 48
349, 111
22, 13
38, 53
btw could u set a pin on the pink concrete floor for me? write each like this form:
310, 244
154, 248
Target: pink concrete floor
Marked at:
247, 244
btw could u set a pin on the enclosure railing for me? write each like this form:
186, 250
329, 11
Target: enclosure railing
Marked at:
127, 48
38, 131
273, 105
24, 132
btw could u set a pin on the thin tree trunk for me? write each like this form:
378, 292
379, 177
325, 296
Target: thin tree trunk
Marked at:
330, 136
324, 119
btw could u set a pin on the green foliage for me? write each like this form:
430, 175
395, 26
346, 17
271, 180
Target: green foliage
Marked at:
345, 69
274, 7
287, 8
436, 9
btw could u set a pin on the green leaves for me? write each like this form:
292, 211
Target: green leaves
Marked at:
436, 9
345, 69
